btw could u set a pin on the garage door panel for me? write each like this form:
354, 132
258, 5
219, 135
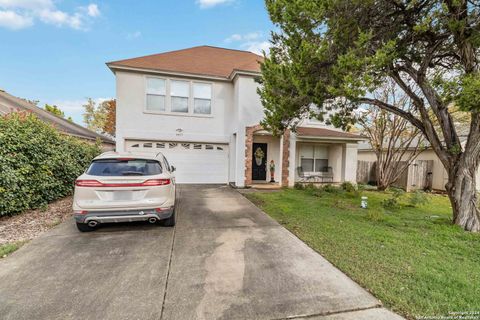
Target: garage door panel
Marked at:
194, 162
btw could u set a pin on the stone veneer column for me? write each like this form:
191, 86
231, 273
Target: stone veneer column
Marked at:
285, 157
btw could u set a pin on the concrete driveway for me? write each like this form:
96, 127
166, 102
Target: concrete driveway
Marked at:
225, 259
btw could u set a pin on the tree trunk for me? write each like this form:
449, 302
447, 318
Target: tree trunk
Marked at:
461, 189
382, 185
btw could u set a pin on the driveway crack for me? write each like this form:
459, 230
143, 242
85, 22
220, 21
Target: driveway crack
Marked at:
177, 213
325, 314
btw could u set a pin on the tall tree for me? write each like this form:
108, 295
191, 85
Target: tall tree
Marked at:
395, 142
110, 107
100, 117
57, 111
335, 53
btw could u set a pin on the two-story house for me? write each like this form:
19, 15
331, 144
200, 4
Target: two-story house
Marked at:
200, 108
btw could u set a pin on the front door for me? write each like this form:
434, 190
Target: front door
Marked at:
259, 161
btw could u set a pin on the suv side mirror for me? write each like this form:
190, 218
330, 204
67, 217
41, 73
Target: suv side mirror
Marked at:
172, 168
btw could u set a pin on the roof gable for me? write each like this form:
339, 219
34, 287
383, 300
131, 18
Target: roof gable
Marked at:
202, 60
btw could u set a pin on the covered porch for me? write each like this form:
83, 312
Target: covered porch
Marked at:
265, 159
309, 155
321, 162
319, 155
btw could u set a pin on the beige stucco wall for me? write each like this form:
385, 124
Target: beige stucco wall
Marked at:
134, 121
247, 111
350, 156
335, 155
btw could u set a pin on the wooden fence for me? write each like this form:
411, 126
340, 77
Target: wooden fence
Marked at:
366, 172
418, 176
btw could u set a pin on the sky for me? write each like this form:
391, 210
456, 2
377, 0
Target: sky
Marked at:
55, 51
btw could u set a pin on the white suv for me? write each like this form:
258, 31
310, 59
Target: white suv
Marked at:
119, 187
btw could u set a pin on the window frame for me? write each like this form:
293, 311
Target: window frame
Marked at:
188, 97
193, 97
168, 98
155, 94
314, 158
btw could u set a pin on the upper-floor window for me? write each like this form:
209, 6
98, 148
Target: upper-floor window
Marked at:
156, 89
179, 92
202, 98
178, 96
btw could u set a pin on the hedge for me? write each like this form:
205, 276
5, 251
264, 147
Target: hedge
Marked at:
38, 164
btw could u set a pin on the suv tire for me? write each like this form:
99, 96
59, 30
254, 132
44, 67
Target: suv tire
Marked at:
169, 222
83, 227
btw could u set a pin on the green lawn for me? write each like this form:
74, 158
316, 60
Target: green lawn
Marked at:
413, 259
6, 249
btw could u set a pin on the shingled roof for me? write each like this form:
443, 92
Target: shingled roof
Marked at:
326, 133
9, 103
202, 60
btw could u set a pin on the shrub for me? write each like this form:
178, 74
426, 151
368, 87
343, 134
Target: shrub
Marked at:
361, 187
417, 198
310, 187
331, 189
390, 203
393, 202
368, 187
298, 186
37, 163
348, 186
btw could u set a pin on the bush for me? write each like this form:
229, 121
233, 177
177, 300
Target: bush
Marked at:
37, 163
331, 189
417, 198
348, 186
298, 186
393, 202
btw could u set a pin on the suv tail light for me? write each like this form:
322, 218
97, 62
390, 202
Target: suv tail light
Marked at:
156, 182
88, 183
98, 184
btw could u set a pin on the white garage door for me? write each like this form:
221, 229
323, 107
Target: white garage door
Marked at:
194, 162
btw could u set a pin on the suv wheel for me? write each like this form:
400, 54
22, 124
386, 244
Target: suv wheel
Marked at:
169, 222
83, 227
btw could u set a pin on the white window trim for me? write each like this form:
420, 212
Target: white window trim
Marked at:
314, 158
168, 98
193, 98
155, 94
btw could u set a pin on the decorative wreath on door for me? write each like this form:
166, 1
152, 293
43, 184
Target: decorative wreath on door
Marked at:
259, 155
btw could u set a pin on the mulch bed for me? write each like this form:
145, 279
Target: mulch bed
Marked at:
30, 224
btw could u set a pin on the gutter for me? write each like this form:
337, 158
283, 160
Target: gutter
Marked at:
167, 72
331, 138
230, 78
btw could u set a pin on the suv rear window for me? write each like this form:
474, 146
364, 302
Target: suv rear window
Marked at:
124, 167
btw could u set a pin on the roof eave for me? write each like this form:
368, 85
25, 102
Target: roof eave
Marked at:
167, 72
309, 137
103, 140
238, 72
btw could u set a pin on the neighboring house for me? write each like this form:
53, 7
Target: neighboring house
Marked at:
439, 174
200, 107
9, 103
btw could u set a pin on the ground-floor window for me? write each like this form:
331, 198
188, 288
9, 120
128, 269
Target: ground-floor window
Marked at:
314, 158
